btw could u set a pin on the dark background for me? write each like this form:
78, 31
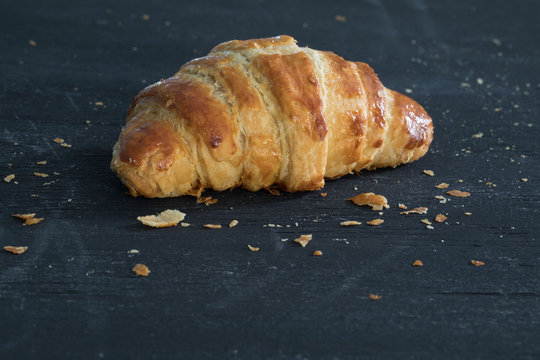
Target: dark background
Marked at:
72, 294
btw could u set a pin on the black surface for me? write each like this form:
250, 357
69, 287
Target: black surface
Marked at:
72, 294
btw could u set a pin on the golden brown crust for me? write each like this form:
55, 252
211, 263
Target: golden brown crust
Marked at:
262, 113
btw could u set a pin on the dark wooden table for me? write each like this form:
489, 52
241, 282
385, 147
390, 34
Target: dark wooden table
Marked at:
70, 70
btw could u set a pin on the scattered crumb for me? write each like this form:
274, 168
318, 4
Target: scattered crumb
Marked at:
212, 226
377, 202
145, 17
478, 263
58, 140
133, 251
304, 239
426, 221
253, 248
402, 206
164, 219
478, 135
233, 223
207, 200
273, 191
29, 219
441, 198
429, 227
43, 162
32, 42
284, 240
41, 174
524, 179
350, 223
98, 103
324, 194
458, 193
24, 216
317, 253
375, 297
408, 91
141, 270
429, 172
184, 224
16, 249
340, 18
9, 178
442, 185
468, 213
440, 218
479, 81
375, 222
417, 263
418, 210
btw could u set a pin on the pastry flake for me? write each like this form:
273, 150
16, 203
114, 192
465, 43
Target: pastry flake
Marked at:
164, 219
377, 202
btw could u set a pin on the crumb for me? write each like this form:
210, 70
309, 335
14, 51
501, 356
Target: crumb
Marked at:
324, 194
468, 213
56, 173
317, 253
340, 18
417, 263
402, 206
16, 249
442, 185
479, 81
145, 17
442, 198
141, 270
426, 221
440, 218
304, 239
478, 135
9, 178
66, 145
273, 191
43, 162
375, 297
429, 172
478, 263
460, 181
252, 248
164, 219
207, 200
350, 223
284, 240
458, 193
271, 225
29, 219
212, 226
524, 179
98, 103
377, 202
233, 223
41, 174
133, 251
375, 222
184, 224
24, 216
429, 227
418, 210
408, 91
32, 42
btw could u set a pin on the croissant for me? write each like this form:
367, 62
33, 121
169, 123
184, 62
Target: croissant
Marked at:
262, 113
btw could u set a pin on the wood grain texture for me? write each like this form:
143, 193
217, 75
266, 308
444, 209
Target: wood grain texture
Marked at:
72, 293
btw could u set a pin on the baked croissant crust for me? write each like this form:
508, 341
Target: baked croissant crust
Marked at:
261, 113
